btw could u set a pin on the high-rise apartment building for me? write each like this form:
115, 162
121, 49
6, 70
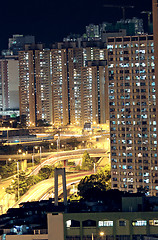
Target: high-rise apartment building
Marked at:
132, 105
50, 84
75, 63
93, 95
9, 83
78, 59
43, 85
35, 85
155, 31
92, 32
67, 64
59, 87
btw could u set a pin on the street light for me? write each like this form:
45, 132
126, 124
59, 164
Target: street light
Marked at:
11, 125
101, 234
50, 146
20, 152
40, 148
33, 167
33, 153
58, 142
40, 152
32, 162
92, 237
94, 168
35, 147
7, 160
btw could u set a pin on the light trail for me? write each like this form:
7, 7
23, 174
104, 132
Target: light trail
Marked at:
51, 160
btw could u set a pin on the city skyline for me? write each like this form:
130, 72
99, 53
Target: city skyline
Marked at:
50, 22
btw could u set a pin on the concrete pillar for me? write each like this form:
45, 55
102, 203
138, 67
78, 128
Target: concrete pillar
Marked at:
57, 172
56, 186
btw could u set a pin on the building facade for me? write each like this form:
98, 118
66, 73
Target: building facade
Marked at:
51, 86
35, 85
67, 78
103, 226
59, 87
9, 83
121, 225
93, 97
132, 105
155, 27
80, 84
75, 63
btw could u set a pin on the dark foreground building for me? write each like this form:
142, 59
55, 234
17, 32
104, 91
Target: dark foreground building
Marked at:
132, 218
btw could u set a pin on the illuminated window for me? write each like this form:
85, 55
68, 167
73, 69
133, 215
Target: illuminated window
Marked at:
139, 223
105, 223
153, 222
68, 223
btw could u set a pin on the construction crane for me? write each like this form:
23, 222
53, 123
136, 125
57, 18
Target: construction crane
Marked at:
119, 6
149, 14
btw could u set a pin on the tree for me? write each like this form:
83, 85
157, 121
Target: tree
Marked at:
8, 170
93, 186
21, 182
46, 172
87, 162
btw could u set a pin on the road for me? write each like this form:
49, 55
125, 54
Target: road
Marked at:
4, 197
39, 191
49, 154
67, 155
7, 200
22, 157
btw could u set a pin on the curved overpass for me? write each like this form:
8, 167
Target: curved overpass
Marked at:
38, 191
62, 156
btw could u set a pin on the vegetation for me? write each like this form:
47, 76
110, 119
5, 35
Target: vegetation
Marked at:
87, 162
93, 186
8, 169
24, 182
46, 172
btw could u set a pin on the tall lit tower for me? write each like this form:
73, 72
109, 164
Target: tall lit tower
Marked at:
155, 32
132, 105
77, 63
59, 87
35, 85
9, 82
93, 94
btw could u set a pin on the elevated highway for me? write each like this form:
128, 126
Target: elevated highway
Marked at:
42, 190
67, 155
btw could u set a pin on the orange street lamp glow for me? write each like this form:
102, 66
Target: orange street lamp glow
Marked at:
101, 234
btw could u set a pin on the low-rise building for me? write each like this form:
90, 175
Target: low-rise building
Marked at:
136, 219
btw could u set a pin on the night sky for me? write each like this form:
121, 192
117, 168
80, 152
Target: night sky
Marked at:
51, 20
